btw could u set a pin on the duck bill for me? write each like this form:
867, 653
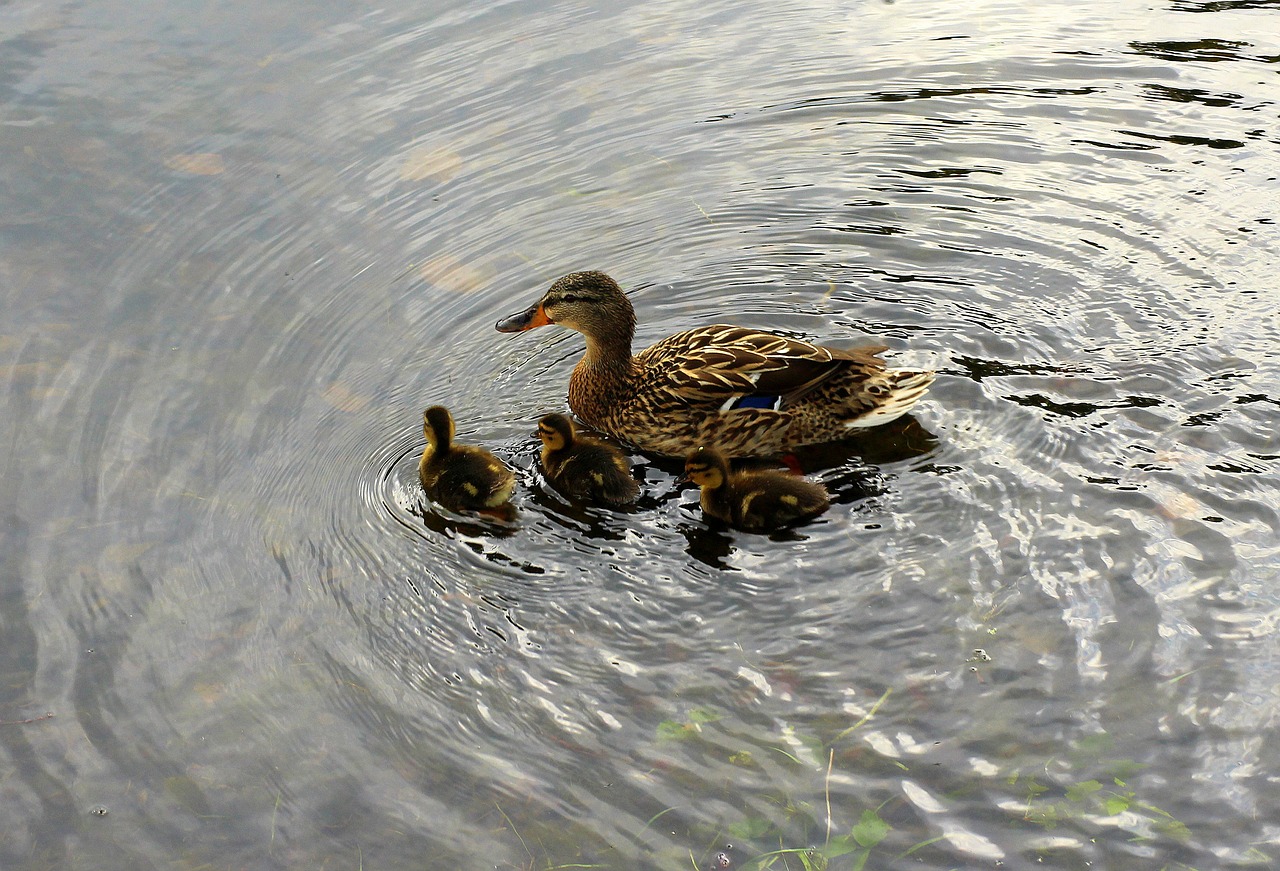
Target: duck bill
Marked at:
526, 320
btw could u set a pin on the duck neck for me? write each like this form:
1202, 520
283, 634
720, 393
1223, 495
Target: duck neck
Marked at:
607, 361
716, 502
437, 445
610, 346
550, 457
600, 382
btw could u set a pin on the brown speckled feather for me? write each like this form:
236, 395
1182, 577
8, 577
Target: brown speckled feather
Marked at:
698, 387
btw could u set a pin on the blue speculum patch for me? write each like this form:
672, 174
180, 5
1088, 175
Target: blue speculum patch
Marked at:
757, 401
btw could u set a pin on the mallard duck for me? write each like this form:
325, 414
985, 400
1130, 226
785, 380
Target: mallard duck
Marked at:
757, 501
460, 477
584, 468
747, 392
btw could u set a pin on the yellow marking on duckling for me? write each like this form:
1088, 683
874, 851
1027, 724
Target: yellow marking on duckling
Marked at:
788, 499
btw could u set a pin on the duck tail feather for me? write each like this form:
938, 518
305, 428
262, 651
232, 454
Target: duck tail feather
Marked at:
905, 387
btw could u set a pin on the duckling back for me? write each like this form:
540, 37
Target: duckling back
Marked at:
466, 478
757, 501
591, 471
763, 501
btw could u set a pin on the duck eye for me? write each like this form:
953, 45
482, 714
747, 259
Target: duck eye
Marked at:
569, 297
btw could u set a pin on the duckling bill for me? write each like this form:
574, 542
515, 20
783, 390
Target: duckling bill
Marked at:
583, 468
460, 477
754, 501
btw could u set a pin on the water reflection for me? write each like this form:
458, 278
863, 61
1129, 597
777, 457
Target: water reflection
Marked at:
1204, 51
240, 253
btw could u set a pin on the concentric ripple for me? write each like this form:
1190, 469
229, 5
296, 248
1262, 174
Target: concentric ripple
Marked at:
241, 254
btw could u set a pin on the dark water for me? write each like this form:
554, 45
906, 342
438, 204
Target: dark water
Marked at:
243, 245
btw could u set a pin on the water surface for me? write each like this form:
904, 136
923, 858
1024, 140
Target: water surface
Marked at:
242, 247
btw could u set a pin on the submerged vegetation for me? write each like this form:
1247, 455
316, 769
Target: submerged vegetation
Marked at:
806, 828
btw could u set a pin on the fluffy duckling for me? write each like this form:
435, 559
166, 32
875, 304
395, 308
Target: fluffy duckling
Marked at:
757, 501
460, 477
584, 468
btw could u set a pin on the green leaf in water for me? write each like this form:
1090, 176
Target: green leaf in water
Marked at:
1123, 769
839, 846
703, 715
788, 755
1034, 789
1173, 829
812, 860
815, 750
1044, 815
921, 845
1169, 825
673, 730
797, 810
1116, 804
1095, 745
870, 829
1080, 791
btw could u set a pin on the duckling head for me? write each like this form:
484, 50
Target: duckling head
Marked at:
437, 426
706, 467
555, 431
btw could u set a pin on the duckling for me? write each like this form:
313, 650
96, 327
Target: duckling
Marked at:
460, 477
756, 501
584, 468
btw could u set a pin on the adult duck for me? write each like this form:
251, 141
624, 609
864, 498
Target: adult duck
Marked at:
744, 391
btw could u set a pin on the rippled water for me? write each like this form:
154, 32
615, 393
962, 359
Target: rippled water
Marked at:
241, 248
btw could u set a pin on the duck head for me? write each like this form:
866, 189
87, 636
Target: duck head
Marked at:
706, 467
590, 302
437, 426
555, 431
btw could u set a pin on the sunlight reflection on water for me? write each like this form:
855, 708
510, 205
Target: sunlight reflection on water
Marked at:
242, 251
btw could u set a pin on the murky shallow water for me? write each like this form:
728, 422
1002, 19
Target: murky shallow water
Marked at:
242, 248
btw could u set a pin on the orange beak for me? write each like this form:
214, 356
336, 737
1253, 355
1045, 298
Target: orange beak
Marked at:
526, 320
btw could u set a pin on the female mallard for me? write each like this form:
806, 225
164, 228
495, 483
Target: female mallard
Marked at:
757, 501
460, 477
747, 392
584, 468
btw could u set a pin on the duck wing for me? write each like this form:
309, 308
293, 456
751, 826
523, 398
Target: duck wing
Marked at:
738, 367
